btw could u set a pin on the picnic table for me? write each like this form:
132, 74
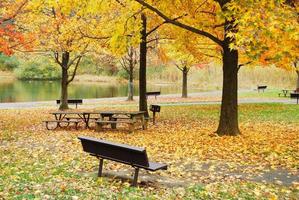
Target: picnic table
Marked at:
83, 116
285, 92
100, 117
115, 117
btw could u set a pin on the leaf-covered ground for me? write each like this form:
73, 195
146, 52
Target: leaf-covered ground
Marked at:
40, 164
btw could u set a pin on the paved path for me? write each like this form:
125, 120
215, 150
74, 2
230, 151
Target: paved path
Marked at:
209, 172
105, 102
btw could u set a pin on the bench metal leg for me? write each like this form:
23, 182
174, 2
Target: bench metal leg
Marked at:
135, 179
100, 167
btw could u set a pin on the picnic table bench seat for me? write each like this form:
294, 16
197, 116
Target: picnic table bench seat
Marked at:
101, 123
125, 154
90, 118
59, 122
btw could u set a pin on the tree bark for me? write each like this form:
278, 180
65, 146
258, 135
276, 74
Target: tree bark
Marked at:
297, 89
228, 124
130, 85
185, 80
142, 70
64, 81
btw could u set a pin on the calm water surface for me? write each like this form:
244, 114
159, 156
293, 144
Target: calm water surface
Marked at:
22, 91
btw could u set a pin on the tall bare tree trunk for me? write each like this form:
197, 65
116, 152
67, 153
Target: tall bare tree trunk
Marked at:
228, 124
185, 80
64, 81
142, 70
131, 85
297, 89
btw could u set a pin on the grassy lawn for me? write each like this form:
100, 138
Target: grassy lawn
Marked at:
269, 93
40, 164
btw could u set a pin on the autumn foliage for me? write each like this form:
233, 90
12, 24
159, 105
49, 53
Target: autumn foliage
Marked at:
11, 37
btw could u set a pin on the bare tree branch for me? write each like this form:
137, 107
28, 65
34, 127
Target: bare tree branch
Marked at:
75, 70
241, 65
56, 56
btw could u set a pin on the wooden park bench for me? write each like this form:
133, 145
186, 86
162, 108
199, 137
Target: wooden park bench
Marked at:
153, 94
134, 156
261, 88
72, 101
295, 96
59, 123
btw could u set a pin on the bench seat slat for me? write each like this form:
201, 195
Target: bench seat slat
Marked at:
153, 166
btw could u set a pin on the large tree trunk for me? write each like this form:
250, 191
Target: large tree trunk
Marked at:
130, 85
142, 70
228, 124
64, 81
184, 86
297, 89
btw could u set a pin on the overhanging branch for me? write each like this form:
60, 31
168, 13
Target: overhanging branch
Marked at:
179, 24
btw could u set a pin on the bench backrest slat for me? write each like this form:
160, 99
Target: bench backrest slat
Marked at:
261, 86
72, 101
153, 93
294, 95
117, 152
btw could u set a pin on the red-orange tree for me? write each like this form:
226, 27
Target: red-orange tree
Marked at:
11, 38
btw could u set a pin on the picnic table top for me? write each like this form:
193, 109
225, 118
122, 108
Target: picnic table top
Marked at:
287, 90
98, 112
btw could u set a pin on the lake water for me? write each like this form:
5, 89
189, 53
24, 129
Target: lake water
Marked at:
24, 91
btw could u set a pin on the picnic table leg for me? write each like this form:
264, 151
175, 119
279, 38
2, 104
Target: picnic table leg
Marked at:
113, 126
59, 117
154, 117
144, 122
86, 118
135, 179
99, 127
47, 126
131, 127
100, 167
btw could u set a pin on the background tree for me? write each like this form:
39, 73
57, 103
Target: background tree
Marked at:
185, 50
128, 63
58, 31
